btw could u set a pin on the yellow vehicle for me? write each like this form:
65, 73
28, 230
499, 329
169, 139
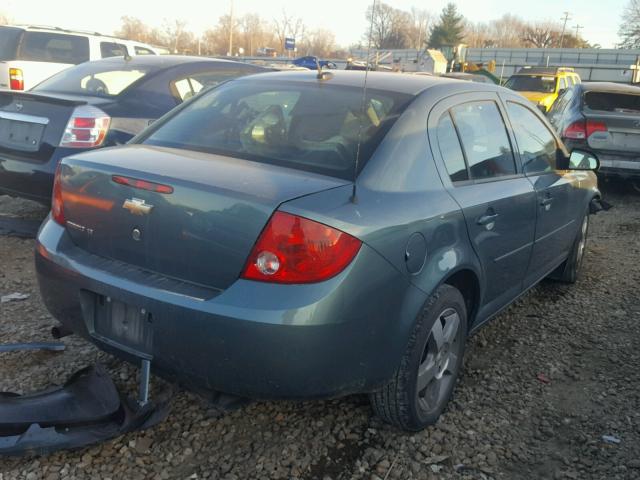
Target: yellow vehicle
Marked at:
542, 85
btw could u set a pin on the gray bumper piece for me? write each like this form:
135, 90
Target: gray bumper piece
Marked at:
87, 409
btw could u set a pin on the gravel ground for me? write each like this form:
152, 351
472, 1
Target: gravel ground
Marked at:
542, 384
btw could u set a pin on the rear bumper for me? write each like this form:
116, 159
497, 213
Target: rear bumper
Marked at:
618, 166
30, 179
342, 336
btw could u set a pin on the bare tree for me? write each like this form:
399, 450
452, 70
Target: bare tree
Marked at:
390, 27
319, 42
4, 19
178, 38
288, 26
541, 35
506, 32
419, 27
629, 31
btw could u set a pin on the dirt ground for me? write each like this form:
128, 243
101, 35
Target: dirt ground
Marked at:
543, 383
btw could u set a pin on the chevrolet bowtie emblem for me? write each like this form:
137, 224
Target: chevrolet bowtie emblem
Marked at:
137, 206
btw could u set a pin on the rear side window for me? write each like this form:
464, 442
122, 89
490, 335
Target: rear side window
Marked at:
536, 144
54, 47
307, 126
110, 49
143, 51
9, 39
187, 87
484, 140
450, 149
562, 84
564, 100
613, 102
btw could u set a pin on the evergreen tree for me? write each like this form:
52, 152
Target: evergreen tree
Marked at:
450, 28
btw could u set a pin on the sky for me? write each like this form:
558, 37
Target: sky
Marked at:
600, 18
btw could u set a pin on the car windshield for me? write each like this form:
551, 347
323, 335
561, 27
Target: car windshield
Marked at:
612, 102
313, 127
532, 83
97, 79
9, 38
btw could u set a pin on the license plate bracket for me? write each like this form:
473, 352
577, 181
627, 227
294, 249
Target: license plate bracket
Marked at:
123, 326
18, 135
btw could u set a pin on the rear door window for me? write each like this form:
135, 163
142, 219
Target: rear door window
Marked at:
562, 84
54, 47
450, 150
111, 49
143, 51
536, 144
484, 139
187, 87
9, 39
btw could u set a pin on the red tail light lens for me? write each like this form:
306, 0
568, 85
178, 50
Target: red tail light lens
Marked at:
594, 126
293, 249
576, 130
580, 130
57, 206
87, 128
16, 79
142, 184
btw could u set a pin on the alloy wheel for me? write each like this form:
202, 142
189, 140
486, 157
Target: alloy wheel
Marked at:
440, 361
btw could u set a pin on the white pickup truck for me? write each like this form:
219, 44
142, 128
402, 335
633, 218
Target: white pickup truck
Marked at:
30, 54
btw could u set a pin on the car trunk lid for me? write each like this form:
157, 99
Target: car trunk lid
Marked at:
200, 230
614, 119
32, 124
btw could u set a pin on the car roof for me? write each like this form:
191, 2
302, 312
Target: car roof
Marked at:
50, 29
385, 81
610, 87
162, 61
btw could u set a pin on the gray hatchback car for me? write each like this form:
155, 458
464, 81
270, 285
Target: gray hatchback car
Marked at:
293, 235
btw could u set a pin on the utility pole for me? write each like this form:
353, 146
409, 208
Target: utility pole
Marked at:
564, 27
578, 28
231, 30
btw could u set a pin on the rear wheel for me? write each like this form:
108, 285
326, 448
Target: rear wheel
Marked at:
421, 387
571, 268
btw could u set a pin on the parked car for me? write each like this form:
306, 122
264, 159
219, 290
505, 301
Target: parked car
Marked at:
604, 118
29, 54
543, 85
312, 63
280, 236
95, 104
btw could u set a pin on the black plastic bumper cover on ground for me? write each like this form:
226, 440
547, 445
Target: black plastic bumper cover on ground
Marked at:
88, 409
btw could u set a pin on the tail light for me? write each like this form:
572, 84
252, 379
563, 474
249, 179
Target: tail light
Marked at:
57, 206
583, 129
594, 126
293, 249
16, 79
87, 128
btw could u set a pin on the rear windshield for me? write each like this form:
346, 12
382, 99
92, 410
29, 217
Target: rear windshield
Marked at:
54, 47
533, 83
9, 38
612, 102
313, 127
94, 78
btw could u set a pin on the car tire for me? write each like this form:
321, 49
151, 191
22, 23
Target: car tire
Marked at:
570, 270
423, 383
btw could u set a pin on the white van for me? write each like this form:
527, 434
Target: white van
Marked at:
30, 54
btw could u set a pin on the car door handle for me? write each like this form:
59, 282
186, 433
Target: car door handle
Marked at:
487, 218
546, 201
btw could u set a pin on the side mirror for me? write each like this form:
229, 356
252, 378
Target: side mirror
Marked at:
582, 160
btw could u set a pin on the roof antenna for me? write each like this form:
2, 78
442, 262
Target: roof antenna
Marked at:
354, 199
